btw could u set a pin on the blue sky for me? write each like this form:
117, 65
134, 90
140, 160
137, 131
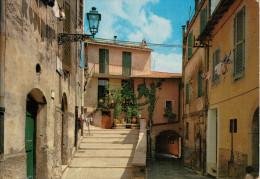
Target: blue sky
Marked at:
156, 21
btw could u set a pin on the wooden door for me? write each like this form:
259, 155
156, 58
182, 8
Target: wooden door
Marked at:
30, 136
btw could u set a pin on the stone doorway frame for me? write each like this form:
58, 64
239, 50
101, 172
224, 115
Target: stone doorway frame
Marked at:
41, 163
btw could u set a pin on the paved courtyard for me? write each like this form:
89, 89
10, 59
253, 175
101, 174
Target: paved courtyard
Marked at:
163, 168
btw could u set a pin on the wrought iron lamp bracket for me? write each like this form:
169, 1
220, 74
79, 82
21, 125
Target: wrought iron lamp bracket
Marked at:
201, 44
65, 37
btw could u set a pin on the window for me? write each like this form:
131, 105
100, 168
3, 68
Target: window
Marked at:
190, 45
66, 61
103, 61
233, 126
216, 61
187, 131
80, 12
239, 45
102, 90
200, 84
126, 68
203, 19
187, 93
168, 105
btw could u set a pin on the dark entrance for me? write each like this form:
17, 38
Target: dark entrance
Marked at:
64, 131
255, 141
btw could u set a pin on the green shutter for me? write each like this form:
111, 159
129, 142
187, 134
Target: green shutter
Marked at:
187, 93
190, 45
239, 39
126, 64
203, 19
67, 45
200, 84
103, 61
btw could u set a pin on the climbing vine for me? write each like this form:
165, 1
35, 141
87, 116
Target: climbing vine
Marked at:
150, 94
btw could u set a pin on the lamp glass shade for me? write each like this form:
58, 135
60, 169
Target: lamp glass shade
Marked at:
93, 19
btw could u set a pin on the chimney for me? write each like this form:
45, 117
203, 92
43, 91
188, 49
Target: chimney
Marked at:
115, 38
183, 31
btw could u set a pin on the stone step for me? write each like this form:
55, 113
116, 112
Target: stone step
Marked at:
110, 135
100, 162
110, 140
98, 173
104, 153
112, 131
101, 146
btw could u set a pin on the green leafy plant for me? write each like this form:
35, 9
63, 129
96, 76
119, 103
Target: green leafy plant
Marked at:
168, 113
128, 114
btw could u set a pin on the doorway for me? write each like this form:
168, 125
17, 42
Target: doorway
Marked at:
255, 141
35, 134
64, 129
30, 136
212, 142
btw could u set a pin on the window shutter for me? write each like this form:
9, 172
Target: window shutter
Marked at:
67, 45
239, 50
190, 45
187, 93
200, 84
126, 68
104, 61
203, 19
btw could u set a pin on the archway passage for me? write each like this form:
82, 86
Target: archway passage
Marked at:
64, 130
255, 140
168, 142
34, 107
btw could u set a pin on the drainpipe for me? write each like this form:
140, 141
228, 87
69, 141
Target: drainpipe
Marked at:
2, 80
76, 84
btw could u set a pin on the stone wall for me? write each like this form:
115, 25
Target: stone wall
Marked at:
31, 39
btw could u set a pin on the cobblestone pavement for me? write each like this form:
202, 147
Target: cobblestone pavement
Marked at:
170, 168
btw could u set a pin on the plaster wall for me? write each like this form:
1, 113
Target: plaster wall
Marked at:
236, 99
141, 59
168, 91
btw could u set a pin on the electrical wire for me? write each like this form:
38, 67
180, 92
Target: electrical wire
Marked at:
138, 43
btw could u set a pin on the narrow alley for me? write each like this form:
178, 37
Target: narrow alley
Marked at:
165, 168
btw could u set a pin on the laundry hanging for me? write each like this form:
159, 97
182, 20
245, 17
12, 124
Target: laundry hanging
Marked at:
82, 57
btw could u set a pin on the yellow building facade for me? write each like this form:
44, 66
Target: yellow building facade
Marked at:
233, 92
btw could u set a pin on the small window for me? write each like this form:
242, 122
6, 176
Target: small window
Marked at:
168, 105
80, 12
187, 93
200, 84
190, 44
187, 131
233, 126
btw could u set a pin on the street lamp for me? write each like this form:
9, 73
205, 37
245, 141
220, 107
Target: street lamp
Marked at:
93, 20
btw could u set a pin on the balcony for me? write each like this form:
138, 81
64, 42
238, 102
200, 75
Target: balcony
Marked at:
106, 71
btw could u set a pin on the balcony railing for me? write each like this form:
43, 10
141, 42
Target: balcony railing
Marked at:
114, 70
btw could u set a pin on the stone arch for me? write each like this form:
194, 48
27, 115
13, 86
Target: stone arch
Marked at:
36, 122
64, 130
255, 140
167, 142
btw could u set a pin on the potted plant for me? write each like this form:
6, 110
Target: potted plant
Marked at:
135, 113
168, 113
128, 114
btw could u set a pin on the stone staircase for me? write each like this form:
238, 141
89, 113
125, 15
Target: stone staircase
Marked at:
105, 153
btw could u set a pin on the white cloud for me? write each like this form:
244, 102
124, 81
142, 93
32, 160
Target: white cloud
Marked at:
167, 63
142, 23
